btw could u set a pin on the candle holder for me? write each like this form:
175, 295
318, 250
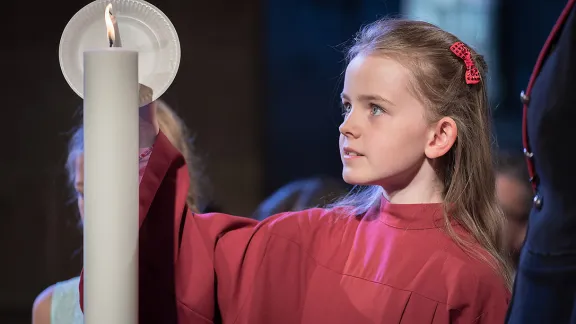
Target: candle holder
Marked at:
144, 28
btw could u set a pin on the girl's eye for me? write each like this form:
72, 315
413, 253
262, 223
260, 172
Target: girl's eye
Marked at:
346, 108
376, 110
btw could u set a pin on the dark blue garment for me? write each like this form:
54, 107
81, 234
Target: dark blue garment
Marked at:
545, 286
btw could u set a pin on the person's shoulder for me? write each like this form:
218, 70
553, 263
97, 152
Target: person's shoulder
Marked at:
477, 275
42, 307
484, 271
308, 222
64, 287
476, 286
306, 218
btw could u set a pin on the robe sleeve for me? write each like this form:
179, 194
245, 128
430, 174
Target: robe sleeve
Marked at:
193, 268
143, 162
493, 312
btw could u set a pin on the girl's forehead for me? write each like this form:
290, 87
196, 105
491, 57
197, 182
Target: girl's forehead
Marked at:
374, 74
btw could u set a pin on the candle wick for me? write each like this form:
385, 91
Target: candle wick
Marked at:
111, 42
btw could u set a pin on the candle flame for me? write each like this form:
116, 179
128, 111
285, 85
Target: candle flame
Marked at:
109, 18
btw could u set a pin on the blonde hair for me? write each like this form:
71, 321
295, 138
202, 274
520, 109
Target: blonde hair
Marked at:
467, 169
177, 133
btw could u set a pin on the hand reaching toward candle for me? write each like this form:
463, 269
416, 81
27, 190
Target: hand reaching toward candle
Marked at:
149, 127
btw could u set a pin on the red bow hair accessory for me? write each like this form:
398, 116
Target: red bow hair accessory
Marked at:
472, 74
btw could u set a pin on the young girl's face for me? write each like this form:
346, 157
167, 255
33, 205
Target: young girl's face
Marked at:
385, 134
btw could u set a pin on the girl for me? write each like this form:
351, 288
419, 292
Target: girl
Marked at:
420, 245
58, 304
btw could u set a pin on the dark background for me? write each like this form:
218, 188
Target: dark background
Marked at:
258, 85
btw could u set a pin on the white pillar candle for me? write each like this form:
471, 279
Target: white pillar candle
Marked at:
111, 101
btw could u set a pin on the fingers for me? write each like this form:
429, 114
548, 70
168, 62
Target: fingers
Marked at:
146, 95
148, 107
149, 126
152, 111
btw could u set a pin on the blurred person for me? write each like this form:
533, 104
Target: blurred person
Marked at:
545, 285
59, 303
299, 195
514, 195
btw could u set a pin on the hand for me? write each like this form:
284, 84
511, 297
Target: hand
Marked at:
149, 127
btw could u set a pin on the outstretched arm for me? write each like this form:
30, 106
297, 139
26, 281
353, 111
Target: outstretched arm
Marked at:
181, 253
157, 167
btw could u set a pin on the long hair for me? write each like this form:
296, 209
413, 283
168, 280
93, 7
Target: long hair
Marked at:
176, 132
467, 170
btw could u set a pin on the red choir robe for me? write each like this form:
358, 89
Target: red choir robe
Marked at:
392, 265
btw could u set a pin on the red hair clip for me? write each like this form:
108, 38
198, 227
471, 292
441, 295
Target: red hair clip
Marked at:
472, 74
